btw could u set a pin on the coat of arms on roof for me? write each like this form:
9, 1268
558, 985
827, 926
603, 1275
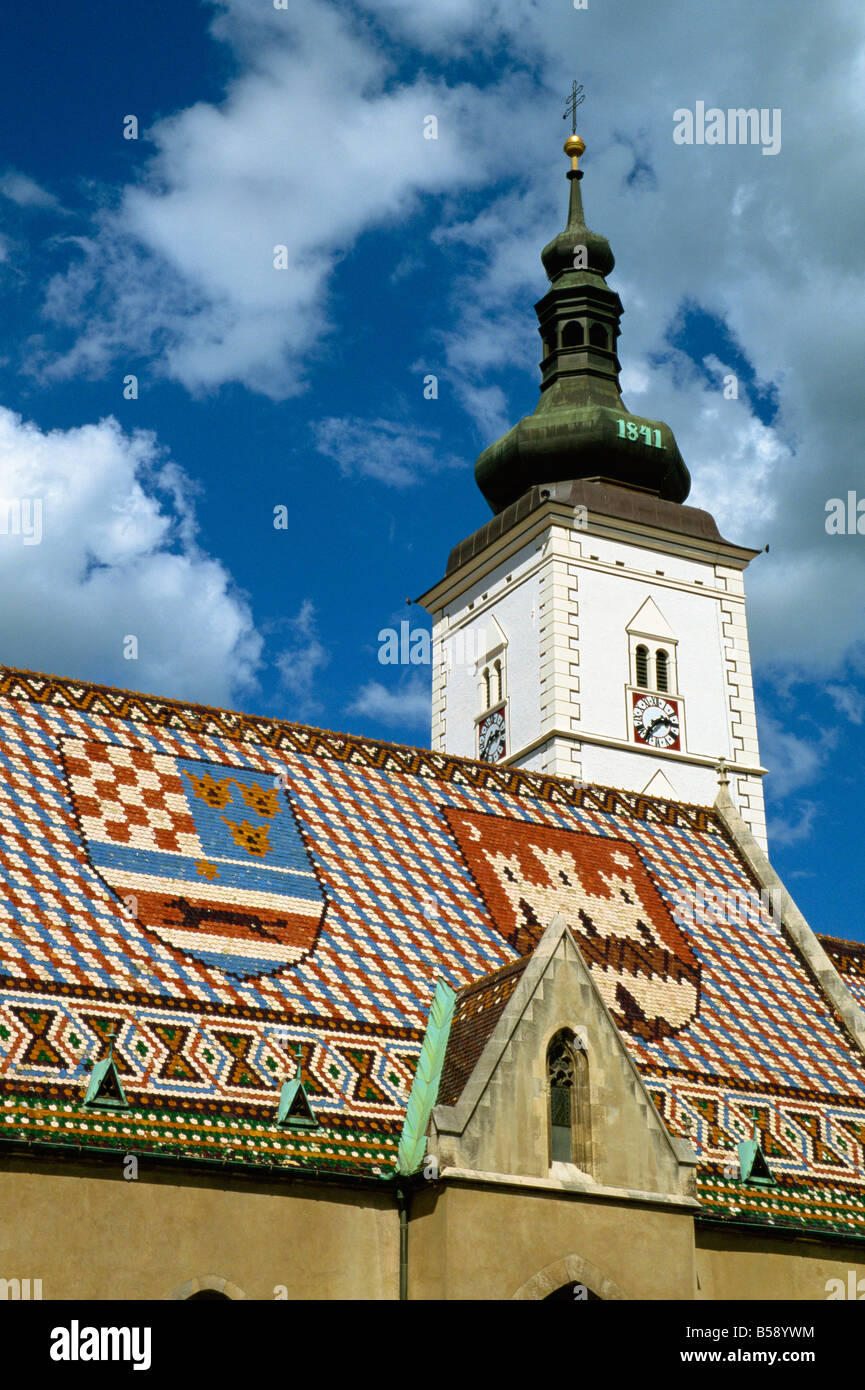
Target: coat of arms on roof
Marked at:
646, 971
207, 857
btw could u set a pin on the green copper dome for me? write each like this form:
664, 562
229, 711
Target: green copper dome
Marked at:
558, 255
581, 428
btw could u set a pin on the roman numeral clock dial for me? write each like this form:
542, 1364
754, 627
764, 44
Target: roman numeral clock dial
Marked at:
656, 721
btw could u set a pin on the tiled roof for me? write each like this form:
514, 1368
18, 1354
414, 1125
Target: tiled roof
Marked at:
848, 958
221, 890
477, 1010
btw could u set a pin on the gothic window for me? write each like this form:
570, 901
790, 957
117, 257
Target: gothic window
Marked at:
662, 679
500, 688
572, 335
487, 689
560, 1069
567, 1074
598, 335
642, 664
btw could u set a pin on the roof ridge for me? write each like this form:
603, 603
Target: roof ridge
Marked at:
9, 674
493, 976
846, 942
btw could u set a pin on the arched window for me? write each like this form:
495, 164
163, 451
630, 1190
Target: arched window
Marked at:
573, 335
598, 335
568, 1077
662, 678
560, 1070
549, 346
642, 664
499, 679
487, 696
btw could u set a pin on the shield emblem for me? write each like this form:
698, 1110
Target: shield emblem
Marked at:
209, 858
645, 969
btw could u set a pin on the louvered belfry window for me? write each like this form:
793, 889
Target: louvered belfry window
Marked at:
642, 666
661, 670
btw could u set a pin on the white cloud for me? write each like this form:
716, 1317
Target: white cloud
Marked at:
794, 760
313, 144
409, 705
793, 829
398, 454
319, 138
848, 701
303, 658
26, 192
116, 558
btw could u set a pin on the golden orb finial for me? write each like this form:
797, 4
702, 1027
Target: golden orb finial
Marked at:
575, 146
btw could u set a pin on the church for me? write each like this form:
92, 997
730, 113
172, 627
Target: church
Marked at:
528, 1014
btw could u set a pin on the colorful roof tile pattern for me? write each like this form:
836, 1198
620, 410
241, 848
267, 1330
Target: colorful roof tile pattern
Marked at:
217, 891
477, 1010
848, 958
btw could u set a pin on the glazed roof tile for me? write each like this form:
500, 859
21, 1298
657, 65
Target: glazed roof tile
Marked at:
477, 1009
219, 890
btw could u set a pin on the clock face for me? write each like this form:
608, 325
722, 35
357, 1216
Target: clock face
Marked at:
656, 721
491, 736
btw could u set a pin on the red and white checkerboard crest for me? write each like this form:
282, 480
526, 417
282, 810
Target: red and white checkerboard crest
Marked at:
209, 857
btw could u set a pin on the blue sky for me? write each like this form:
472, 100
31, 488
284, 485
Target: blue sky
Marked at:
304, 387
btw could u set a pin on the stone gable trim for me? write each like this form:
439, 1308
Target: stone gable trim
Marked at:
455, 1119
797, 928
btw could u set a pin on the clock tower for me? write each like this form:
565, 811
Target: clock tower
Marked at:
595, 627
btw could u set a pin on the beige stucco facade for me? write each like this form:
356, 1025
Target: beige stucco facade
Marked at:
88, 1234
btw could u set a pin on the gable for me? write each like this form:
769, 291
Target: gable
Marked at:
499, 1121
649, 621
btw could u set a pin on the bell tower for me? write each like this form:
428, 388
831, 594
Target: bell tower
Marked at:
595, 628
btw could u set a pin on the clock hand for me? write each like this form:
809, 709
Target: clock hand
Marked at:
662, 719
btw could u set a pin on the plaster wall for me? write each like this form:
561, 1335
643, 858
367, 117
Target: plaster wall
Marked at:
470, 1241
506, 1130
564, 601
738, 1266
89, 1234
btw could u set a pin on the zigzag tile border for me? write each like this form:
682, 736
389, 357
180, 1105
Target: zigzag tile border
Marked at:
106, 701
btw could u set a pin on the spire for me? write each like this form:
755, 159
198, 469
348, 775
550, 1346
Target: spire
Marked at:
581, 427
559, 256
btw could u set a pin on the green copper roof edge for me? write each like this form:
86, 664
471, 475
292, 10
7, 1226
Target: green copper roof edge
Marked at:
425, 1086
787, 1229
106, 1152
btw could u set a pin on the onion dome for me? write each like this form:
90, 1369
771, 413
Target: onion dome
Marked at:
581, 427
558, 255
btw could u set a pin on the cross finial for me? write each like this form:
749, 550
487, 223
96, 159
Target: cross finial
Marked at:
721, 769
298, 1052
576, 99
